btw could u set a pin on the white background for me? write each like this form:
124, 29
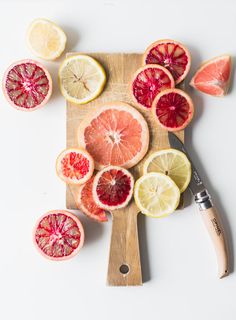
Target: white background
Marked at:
178, 261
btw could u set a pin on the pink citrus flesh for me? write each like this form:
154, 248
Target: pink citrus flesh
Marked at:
58, 235
113, 188
87, 204
74, 166
170, 54
148, 81
114, 134
213, 77
173, 109
27, 85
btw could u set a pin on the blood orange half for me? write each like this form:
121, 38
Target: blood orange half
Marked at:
74, 166
148, 81
58, 235
173, 109
114, 134
27, 85
170, 54
213, 77
87, 204
113, 188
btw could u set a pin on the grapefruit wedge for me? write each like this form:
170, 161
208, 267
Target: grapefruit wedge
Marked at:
213, 77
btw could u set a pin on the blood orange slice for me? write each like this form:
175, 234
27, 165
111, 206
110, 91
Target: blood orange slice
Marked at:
173, 109
58, 235
87, 204
114, 134
113, 188
148, 81
74, 166
170, 54
27, 85
213, 77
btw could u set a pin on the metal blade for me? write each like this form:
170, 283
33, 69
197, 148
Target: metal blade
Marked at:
196, 185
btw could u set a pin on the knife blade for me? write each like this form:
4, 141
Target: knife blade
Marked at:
209, 213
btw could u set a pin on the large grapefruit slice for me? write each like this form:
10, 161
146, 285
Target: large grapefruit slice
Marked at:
213, 77
114, 134
148, 81
27, 85
58, 235
170, 54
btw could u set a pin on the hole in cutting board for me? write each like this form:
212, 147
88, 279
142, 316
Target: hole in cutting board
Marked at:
124, 269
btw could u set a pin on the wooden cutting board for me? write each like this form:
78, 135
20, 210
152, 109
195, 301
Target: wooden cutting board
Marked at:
124, 261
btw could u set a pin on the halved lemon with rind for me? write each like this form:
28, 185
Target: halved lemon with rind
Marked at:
172, 163
156, 195
81, 79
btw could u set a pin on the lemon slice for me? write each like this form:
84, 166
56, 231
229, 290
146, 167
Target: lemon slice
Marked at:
156, 195
172, 163
45, 39
81, 79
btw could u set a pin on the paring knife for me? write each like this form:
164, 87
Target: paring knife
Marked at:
207, 210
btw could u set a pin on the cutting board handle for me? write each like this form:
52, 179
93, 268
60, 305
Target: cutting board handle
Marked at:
124, 267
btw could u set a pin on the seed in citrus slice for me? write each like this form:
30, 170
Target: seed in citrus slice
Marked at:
81, 79
156, 195
58, 235
27, 85
172, 163
170, 54
213, 77
148, 81
114, 134
173, 109
113, 188
45, 39
87, 204
74, 166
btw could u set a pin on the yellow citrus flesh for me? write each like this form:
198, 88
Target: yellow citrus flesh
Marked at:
81, 79
156, 195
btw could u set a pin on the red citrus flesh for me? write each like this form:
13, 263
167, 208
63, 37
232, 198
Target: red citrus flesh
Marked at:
170, 54
27, 85
173, 109
214, 76
114, 134
75, 166
59, 235
87, 204
148, 81
113, 188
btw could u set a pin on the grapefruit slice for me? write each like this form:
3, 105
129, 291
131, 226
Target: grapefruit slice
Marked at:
170, 54
213, 77
27, 85
114, 134
113, 188
58, 235
87, 204
74, 166
148, 81
173, 109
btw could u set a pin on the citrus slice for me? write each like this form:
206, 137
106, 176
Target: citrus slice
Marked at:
74, 166
114, 134
170, 54
113, 188
156, 195
81, 79
27, 85
87, 204
213, 77
172, 163
148, 81
173, 109
58, 235
45, 39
